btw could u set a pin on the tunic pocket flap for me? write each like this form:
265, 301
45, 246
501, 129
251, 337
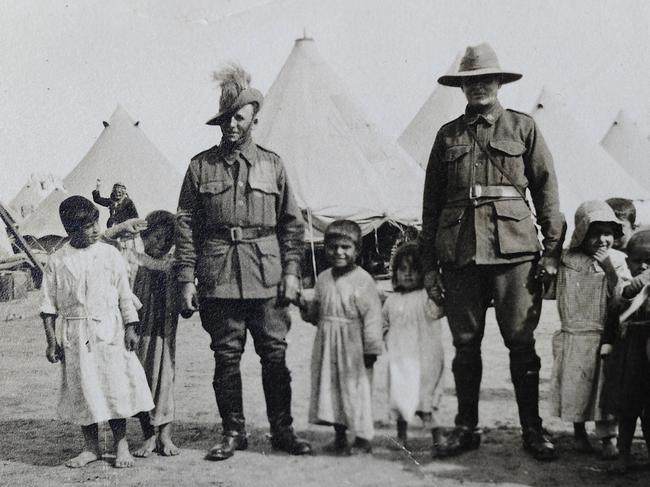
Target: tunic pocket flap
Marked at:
510, 147
512, 209
455, 152
451, 216
268, 247
264, 185
215, 187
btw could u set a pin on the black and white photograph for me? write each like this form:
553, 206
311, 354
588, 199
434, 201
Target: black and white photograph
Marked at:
325, 243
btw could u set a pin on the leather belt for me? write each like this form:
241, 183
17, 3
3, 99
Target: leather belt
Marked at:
238, 234
477, 191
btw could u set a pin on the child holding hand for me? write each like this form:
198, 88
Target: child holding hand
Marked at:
413, 336
86, 288
347, 311
589, 281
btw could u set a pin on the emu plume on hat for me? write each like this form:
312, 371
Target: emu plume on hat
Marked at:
236, 92
478, 60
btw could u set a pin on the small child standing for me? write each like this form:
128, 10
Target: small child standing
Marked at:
589, 280
86, 288
631, 342
347, 311
413, 336
154, 283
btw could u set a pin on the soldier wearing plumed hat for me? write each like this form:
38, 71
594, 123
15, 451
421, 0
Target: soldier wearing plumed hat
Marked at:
480, 243
240, 236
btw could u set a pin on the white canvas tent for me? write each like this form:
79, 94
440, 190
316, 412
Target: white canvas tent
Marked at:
626, 142
35, 190
121, 153
339, 164
584, 170
443, 105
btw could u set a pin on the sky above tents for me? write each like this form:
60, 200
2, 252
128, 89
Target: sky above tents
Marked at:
67, 64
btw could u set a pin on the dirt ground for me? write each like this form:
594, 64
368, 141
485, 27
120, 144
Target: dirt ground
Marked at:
35, 444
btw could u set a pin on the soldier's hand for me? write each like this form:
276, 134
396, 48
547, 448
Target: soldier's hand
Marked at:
188, 299
434, 286
547, 268
289, 290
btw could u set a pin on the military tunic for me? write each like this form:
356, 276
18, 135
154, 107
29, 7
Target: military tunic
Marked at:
457, 229
248, 188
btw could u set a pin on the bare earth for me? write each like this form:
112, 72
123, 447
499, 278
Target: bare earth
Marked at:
35, 444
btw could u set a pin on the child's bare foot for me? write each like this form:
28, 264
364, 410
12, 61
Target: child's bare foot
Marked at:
147, 448
165, 446
123, 457
83, 459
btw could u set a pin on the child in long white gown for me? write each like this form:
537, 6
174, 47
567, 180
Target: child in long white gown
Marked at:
86, 291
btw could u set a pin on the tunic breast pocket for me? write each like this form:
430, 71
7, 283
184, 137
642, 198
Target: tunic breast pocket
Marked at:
216, 200
263, 198
458, 166
510, 154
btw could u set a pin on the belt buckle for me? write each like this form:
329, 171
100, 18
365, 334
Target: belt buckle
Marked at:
236, 234
475, 191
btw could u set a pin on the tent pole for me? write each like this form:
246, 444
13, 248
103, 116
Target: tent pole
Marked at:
311, 244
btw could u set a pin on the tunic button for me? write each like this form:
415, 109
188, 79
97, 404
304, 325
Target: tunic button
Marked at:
240, 203
475, 202
240, 184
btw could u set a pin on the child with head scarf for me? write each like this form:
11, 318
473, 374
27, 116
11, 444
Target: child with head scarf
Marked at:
589, 281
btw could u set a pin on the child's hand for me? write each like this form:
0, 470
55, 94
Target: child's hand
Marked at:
54, 353
131, 338
602, 257
369, 360
605, 350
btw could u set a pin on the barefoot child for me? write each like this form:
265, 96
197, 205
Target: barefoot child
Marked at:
589, 281
347, 311
632, 355
154, 284
86, 289
413, 336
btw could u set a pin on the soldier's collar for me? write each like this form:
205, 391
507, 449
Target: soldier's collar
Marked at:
491, 116
245, 151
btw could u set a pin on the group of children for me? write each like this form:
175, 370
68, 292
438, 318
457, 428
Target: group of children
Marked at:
601, 367
119, 362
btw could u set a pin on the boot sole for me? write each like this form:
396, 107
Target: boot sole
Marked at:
220, 456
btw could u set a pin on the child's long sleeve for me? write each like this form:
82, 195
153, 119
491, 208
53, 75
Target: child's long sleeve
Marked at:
369, 306
126, 302
48, 289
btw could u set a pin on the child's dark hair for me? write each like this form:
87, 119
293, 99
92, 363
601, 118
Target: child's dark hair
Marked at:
76, 212
161, 219
624, 209
410, 251
346, 229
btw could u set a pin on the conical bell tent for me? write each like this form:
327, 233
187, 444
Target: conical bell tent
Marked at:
122, 153
584, 170
443, 105
626, 142
338, 163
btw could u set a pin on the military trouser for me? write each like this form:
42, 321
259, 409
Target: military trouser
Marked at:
226, 320
517, 301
